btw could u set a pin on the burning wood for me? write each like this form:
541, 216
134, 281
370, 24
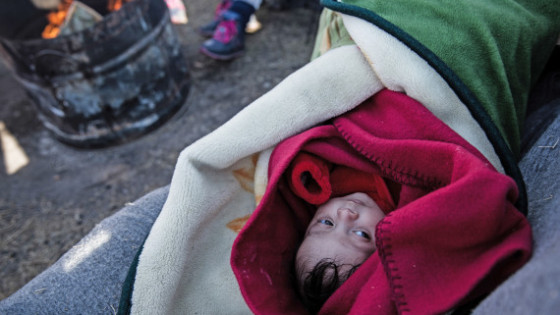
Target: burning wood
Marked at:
66, 10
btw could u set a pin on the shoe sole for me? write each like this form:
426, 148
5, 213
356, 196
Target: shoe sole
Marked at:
220, 57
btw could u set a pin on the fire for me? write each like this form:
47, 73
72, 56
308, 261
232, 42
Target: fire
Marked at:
57, 18
115, 5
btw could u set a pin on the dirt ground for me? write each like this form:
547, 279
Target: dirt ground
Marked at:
52, 202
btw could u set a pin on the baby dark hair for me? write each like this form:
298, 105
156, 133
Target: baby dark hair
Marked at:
321, 282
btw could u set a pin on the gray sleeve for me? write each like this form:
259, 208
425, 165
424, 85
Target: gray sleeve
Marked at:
89, 277
535, 288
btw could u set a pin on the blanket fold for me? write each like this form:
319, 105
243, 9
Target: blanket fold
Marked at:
316, 181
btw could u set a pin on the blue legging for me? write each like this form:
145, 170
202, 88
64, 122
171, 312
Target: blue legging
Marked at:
255, 3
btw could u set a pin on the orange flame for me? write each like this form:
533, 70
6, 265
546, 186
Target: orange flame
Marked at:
56, 18
115, 5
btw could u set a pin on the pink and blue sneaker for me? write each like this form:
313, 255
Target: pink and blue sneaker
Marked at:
228, 39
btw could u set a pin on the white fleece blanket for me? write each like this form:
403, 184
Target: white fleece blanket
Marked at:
184, 266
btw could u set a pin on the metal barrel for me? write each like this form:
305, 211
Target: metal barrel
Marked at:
115, 81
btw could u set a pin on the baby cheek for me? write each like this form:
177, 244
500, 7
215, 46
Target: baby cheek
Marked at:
302, 254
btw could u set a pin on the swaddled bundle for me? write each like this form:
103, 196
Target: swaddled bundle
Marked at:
454, 235
316, 181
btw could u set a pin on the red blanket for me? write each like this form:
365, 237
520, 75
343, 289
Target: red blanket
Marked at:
454, 235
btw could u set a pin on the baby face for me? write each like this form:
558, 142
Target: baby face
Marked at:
343, 229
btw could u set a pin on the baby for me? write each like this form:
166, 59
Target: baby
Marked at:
340, 237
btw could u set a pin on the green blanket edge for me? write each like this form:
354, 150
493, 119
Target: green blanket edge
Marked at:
125, 302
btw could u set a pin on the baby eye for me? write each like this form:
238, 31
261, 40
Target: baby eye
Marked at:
326, 222
362, 234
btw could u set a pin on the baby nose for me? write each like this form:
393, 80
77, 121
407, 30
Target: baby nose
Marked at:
348, 214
